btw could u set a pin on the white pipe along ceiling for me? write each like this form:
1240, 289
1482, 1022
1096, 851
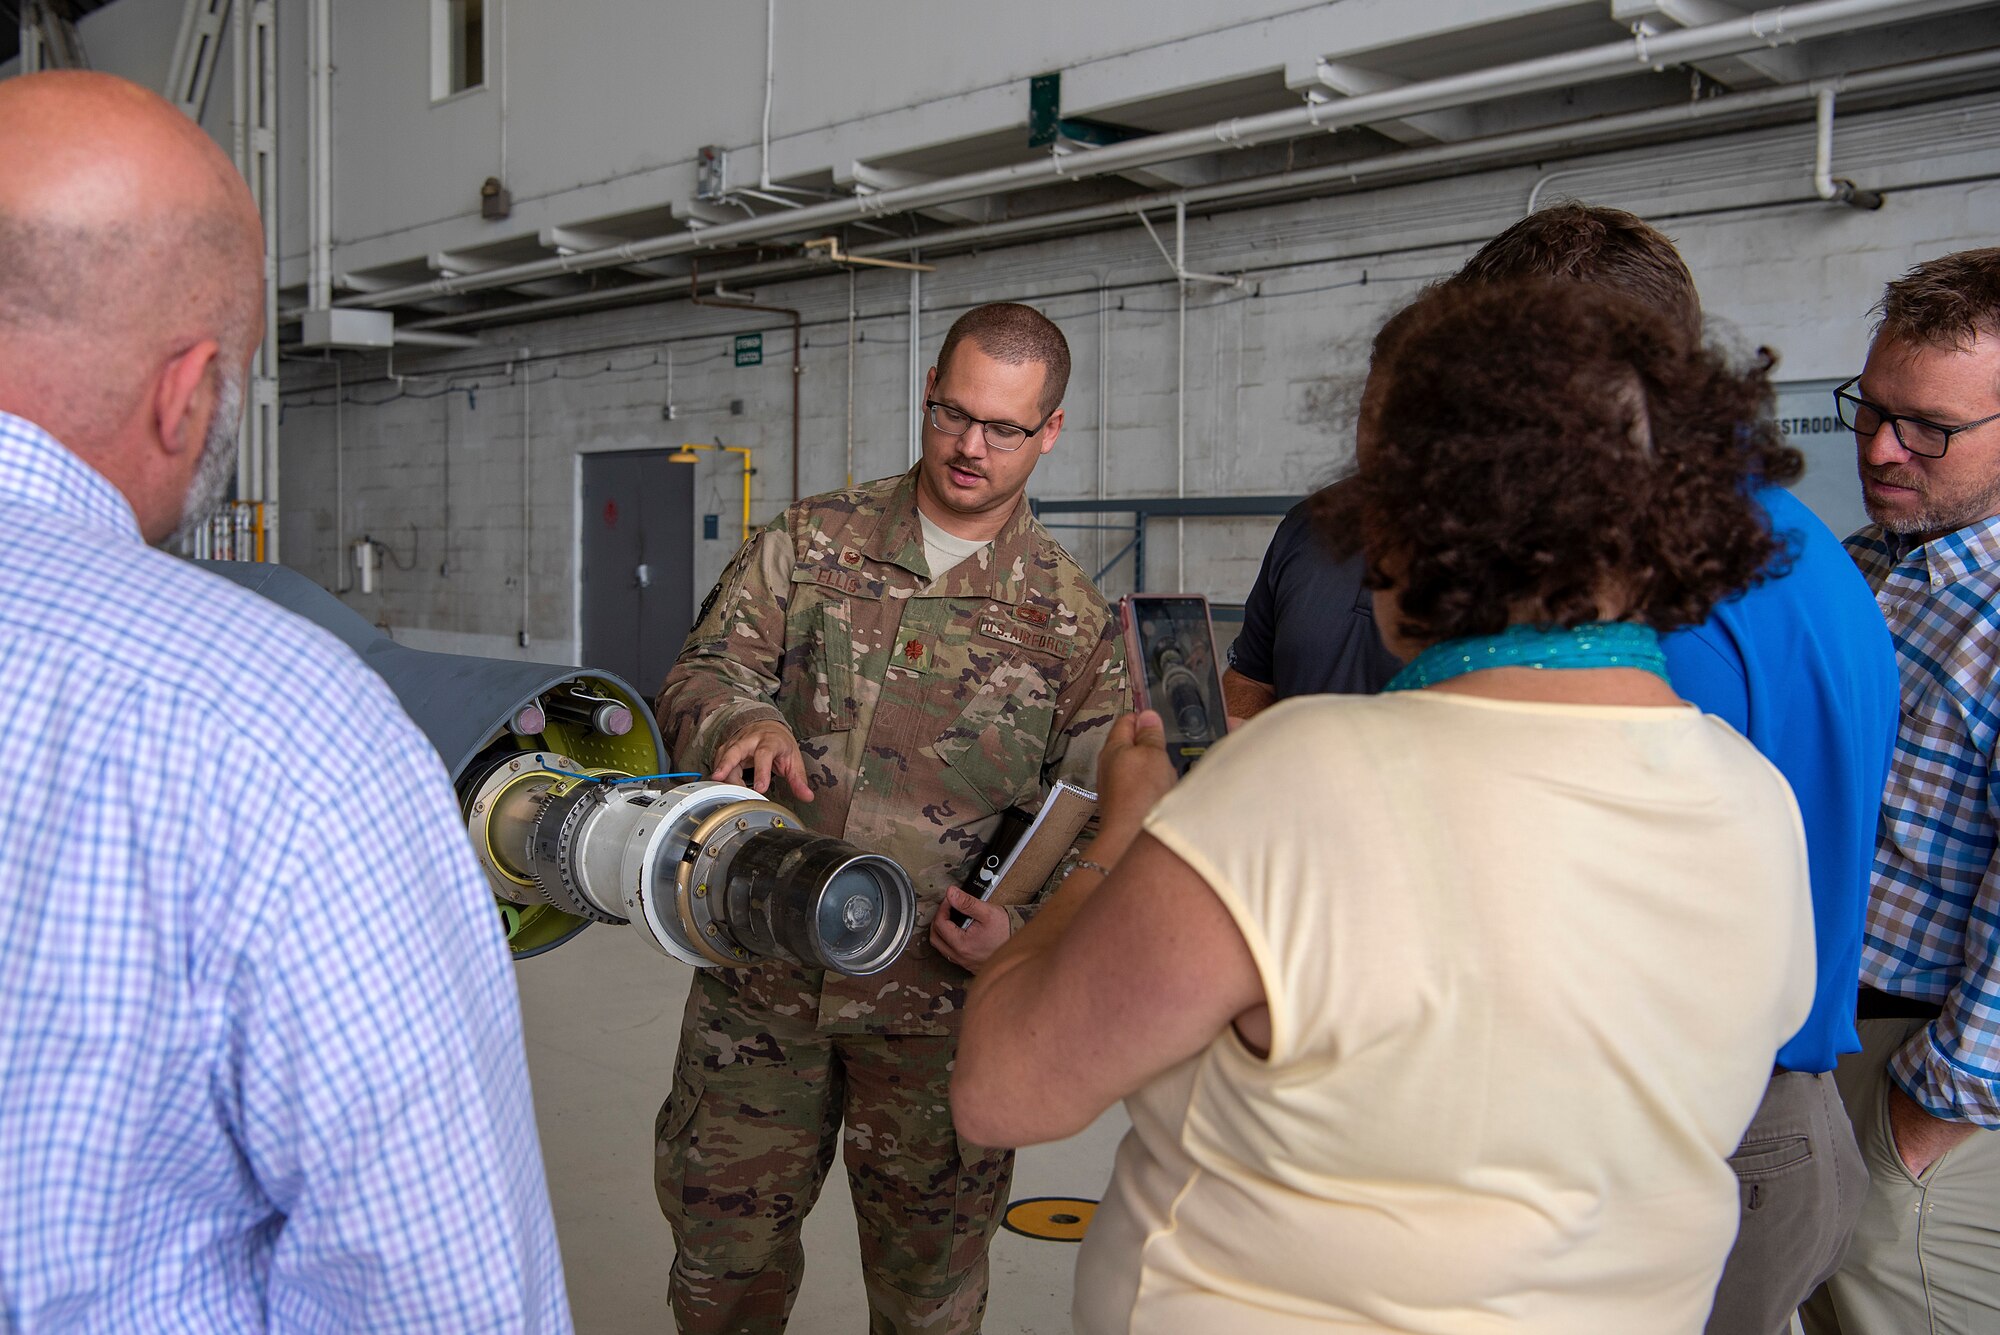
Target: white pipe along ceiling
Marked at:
1407, 164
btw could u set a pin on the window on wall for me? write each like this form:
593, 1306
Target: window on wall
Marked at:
458, 46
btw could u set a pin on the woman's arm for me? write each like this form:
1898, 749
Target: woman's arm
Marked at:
1116, 980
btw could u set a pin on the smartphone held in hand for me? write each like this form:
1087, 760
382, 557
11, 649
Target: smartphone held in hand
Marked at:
1170, 650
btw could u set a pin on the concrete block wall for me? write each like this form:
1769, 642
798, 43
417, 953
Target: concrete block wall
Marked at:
1272, 369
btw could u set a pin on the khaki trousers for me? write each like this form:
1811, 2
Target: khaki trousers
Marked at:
1801, 1185
1925, 1256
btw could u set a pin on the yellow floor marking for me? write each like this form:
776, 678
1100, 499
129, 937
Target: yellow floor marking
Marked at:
1050, 1218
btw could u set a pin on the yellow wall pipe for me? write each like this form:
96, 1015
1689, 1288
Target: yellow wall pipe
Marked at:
688, 449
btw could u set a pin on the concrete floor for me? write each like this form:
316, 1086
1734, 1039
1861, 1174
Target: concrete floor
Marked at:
602, 1015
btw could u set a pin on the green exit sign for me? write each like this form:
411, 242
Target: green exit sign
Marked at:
749, 349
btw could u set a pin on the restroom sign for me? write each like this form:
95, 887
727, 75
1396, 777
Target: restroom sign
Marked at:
1806, 415
749, 349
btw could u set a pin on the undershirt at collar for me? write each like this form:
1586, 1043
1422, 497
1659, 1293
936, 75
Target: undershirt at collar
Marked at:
943, 550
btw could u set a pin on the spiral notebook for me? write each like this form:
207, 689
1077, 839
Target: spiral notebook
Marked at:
1017, 874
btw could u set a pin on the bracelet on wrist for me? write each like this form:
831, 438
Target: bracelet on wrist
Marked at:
1085, 864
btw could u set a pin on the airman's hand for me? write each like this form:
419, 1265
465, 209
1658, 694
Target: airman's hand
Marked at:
764, 748
972, 945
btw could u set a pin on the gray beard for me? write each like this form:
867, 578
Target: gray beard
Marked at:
1934, 518
217, 468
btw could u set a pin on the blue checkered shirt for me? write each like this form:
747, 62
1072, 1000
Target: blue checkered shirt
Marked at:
1934, 911
260, 1051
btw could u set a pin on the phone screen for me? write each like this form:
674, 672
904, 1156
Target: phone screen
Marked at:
1170, 646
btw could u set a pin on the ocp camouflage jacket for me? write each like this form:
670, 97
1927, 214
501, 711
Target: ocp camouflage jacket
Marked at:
922, 709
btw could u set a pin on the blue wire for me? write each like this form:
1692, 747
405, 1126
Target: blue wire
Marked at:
570, 773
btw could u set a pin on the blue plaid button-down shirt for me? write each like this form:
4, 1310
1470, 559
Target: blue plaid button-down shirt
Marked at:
260, 1051
1934, 911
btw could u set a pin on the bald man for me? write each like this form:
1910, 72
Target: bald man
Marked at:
260, 1051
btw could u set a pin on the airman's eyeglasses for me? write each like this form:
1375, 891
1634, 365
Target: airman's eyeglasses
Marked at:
999, 435
1918, 435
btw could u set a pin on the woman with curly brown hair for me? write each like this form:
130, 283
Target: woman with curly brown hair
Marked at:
1442, 1010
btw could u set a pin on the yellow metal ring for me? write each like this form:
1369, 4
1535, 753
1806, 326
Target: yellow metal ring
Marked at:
557, 785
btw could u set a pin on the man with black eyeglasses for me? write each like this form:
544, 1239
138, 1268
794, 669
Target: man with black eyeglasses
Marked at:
1924, 1092
911, 657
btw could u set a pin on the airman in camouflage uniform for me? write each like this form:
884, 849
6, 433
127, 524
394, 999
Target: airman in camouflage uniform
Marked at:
922, 707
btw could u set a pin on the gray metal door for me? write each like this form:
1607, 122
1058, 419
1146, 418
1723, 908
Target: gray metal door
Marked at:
638, 564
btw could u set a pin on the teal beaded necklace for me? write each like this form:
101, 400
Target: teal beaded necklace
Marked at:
1596, 644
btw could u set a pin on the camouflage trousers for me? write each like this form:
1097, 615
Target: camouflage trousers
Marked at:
744, 1143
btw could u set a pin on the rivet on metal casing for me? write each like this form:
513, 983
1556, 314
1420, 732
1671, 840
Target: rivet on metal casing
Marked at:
701, 892
710, 929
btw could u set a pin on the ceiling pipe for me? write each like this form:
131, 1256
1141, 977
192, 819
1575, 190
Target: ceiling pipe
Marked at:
1843, 190
835, 255
320, 205
915, 376
1771, 27
1412, 162
770, 70
798, 354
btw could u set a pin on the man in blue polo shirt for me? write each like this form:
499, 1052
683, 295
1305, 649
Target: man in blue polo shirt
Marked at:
1802, 666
